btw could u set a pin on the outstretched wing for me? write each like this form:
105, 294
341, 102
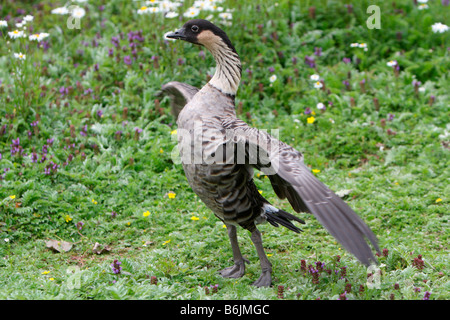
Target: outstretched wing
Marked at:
291, 179
179, 93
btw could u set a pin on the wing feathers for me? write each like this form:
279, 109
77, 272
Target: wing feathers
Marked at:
294, 181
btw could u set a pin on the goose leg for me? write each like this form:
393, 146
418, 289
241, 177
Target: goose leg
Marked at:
265, 279
238, 269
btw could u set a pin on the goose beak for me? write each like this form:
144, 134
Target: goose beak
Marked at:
178, 35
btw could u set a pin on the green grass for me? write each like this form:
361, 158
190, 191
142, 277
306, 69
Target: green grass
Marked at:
393, 171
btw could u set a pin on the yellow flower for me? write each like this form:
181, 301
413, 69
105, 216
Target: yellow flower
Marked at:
146, 213
438, 200
161, 150
270, 254
93, 201
51, 279
173, 132
67, 218
166, 242
224, 226
171, 195
128, 223
12, 197
311, 120
45, 272
315, 170
194, 218
260, 191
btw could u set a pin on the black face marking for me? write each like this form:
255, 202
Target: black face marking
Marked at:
194, 27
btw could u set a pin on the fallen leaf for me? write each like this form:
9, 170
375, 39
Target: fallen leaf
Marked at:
58, 245
99, 248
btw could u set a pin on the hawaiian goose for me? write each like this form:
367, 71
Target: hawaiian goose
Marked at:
219, 151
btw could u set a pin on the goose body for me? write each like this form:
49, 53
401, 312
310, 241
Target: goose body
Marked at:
219, 152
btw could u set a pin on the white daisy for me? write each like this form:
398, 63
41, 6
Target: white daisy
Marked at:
16, 34
422, 1
273, 78
61, 10
439, 27
191, 12
38, 36
354, 45
169, 39
315, 77
3, 23
171, 14
142, 10
19, 56
78, 12
226, 15
392, 63
320, 106
28, 18
422, 6
318, 85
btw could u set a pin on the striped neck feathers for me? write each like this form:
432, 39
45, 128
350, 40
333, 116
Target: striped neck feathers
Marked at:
228, 65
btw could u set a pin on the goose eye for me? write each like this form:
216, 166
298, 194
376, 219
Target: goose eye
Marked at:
194, 28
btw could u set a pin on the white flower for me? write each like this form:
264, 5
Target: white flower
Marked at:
61, 10
439, 27
392, 63
6, 240
362, 45
28, 18
142, 10
320, 106
80, 1
191, 12
273, 78
154, 10
421, 89
78, 12
422, 6
318, 85
169, 39
353, 45
422, 1
3, 23
171, 14
19, 56
16, 34
20, 25
38, 36
226, 15
315, 77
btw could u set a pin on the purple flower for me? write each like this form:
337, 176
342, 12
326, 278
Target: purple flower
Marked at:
318, 51
308, 110
99, 113
64, 91
390, 116
50, 141
127, 60
96, 67
294, 60
271, 69
115, 41
34, 157
115, 266
347, 60
310, 61
80, 225
110, 52
427, 295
